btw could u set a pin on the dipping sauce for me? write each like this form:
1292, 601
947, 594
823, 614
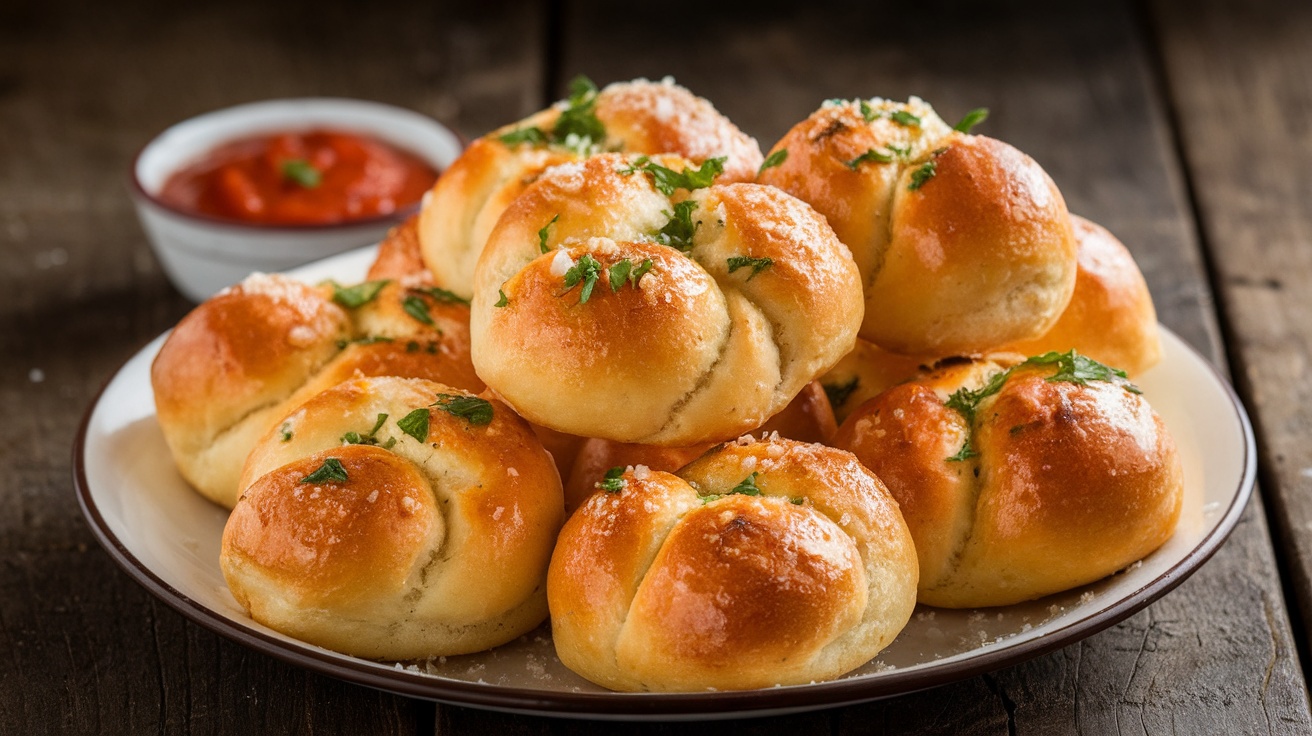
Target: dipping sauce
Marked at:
319, 177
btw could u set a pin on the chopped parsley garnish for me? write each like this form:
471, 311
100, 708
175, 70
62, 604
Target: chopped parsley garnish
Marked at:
302, 173
470, 408
586, 271
613, 482
331, 470
902, 117
354, 297
415, 424
619, 273
922, 175
370, 438
666, 180
623, 270
577, 128
416, 307
965, 401
413, 346
544, 232
441, 296
285, 432
746, 487
756, 264
503, 301
870, 155
972, 118
1071, 368
1080, 369
679, 231
900, 152
838, 393
366, 340
773, 160
867, 112
531, 135
966, 452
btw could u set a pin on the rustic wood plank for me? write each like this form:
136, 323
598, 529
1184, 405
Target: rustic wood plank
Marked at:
1238, 78
82, 87
1073, 86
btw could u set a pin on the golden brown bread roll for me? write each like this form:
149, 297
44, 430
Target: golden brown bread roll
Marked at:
404, 549
763, 563
585, 323
1110, 317
1021, 484
807, 418
636, 117
234, 365
964, 243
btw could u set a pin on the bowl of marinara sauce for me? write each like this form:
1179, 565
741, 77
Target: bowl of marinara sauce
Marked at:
268, 186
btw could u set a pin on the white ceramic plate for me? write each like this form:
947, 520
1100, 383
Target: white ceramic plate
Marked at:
167, 538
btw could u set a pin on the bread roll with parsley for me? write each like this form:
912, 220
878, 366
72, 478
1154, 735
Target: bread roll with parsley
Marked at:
963, 242
762, 563
629, 299
638, 116
1018, 483
1110, 317
807, 418
402, 519
234, 365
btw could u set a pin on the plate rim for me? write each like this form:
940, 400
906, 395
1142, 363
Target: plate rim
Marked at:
663, 706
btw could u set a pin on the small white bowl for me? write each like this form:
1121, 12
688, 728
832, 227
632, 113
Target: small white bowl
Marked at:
203, 254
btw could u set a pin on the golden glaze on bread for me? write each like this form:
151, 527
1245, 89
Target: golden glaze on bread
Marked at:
399, 255
639, 117
807, 418
652, 588
1110, 317
690, 353
564, 448
242, 359
964, 243
1071, 482
427, 549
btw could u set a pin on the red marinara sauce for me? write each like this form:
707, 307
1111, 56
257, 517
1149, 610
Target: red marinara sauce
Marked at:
318, 177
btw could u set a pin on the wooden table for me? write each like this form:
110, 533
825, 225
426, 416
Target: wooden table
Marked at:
1182, 126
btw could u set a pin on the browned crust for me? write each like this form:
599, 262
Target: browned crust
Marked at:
1071, 482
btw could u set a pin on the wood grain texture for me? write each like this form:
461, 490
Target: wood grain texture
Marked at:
83, 649
1240, 85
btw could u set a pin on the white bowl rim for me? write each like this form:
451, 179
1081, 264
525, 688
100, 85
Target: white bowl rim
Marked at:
139, 191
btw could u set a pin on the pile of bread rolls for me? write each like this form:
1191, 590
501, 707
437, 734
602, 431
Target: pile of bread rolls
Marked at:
726, 418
